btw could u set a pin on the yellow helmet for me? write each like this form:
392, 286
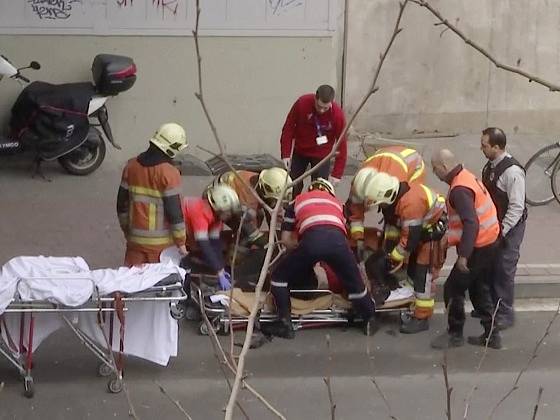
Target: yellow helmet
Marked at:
170, 138
223, 198
382, 189
271, 183
323, 185
361, 180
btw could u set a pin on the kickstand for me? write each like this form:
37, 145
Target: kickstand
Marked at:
37, 170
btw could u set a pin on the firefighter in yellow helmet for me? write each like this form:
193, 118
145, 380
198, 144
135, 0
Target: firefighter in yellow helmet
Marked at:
149, 198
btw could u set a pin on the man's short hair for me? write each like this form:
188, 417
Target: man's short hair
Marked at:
325, 93
496, 137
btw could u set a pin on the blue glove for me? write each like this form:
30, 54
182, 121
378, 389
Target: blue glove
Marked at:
225, 280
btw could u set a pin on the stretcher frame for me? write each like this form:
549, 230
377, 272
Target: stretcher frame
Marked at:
105, 307
220, 318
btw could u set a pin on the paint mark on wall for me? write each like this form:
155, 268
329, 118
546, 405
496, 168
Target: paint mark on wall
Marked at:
53, 9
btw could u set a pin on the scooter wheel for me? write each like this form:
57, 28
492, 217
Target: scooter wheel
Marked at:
85, 159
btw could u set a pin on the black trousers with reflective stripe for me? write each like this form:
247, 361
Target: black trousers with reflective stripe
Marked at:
299, 166
320, 243
478, 280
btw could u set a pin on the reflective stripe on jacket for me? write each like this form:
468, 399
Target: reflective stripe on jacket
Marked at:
315, 208
488, 226
144, 219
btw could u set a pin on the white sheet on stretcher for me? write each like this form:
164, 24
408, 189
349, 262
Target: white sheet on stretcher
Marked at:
150, 331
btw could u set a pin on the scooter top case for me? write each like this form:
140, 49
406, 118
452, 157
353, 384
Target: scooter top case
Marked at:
53, 119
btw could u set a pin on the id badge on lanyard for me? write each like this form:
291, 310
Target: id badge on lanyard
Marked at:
320, 139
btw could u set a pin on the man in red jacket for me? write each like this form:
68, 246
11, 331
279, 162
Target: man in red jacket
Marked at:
312, 127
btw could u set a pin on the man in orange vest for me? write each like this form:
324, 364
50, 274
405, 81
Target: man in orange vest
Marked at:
418, 214
149, 199
474, 230
317, 218
404, 163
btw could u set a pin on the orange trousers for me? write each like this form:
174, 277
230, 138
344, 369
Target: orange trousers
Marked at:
138, 255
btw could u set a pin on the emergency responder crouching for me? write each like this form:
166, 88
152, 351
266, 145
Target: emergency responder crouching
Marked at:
317, 217
419, 220
149, 198
204, 218
268, 184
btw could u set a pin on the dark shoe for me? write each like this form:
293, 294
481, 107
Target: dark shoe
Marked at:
414, 325
281, 328
447, 341
475, 314
495, 341
504, 324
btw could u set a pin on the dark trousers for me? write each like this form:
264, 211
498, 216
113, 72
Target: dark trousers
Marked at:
478, 279
327, 244
504, 276
299, 166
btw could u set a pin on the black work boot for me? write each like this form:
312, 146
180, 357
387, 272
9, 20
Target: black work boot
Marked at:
282, 327
414, 325
494, 342
475, 314
447, 341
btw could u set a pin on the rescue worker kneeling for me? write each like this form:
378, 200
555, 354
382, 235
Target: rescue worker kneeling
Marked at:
204, 218
418, 225
317, 216
268, 184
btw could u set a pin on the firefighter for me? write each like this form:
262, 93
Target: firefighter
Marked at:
204, 218
149, 198
419, 215
268, 184
317, 216
404, 163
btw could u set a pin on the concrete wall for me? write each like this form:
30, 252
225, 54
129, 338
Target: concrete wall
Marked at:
250, 83
433, 81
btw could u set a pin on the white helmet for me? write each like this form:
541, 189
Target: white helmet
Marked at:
361, 180
170, 138
223, 198
382, 189
323, 185
271, 183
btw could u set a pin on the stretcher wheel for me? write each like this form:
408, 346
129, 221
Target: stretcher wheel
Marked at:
115, 385
177, 311
104, 370
203, 328
28, 387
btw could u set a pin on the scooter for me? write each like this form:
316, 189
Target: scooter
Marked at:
59, 122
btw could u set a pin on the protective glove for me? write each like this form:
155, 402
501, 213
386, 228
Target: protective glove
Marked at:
287, 162
334, 180
225, 280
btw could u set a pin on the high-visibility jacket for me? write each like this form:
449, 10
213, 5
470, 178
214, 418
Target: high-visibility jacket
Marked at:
317, 208
202, 223
149, 190
488, 226
404, 163
419, 206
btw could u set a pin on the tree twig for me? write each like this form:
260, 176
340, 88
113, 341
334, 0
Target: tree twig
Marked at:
175, 402
234, 257
531, 358
373, 88
384, 398
481, 361
327, 379
477, 47
536, 409
448, 389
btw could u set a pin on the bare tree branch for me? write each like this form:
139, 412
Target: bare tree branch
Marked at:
175, 402
536, 409
384, 398
531, 358
234, 257
444, 21
373, 88
481, 361
448, 389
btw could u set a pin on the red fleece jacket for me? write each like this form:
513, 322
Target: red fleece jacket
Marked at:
301, 128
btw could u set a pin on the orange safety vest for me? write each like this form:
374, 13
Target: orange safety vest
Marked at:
145, 222
488, 226
402, 162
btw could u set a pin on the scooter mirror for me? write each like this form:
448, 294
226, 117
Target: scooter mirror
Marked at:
35, 65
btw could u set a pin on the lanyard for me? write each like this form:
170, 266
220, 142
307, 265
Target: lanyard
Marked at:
317, 125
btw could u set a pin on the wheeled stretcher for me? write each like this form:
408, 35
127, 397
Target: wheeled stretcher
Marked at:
310, 308
41, 301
